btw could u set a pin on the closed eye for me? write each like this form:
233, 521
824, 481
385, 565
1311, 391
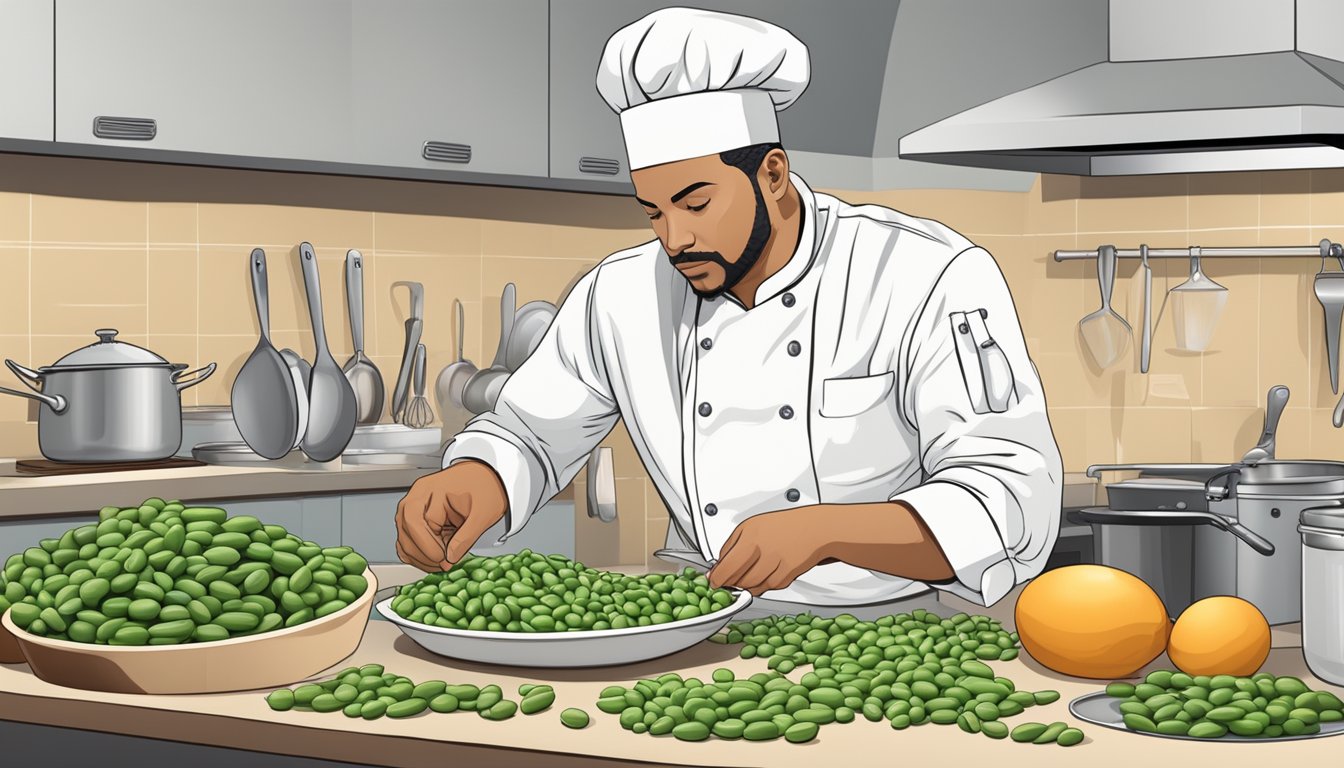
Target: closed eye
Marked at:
697, 208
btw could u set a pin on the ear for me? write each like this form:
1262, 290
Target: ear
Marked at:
773, 175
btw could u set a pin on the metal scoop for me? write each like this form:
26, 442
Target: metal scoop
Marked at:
364, 376
264, 401
1105, 333
1198, 303
332, 409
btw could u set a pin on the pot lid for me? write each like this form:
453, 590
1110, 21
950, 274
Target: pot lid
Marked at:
107, 352
1330, 518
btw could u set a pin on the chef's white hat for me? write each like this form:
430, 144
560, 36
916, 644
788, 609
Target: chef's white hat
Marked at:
688, 83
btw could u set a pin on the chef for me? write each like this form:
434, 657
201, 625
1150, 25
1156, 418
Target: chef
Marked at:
834, 401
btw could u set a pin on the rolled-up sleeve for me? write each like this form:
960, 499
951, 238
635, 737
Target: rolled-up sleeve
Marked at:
992, 483
550, 414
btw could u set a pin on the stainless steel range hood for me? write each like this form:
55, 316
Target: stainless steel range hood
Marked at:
1188, 86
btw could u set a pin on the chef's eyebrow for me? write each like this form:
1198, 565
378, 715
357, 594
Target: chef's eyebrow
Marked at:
677, 197
644, 202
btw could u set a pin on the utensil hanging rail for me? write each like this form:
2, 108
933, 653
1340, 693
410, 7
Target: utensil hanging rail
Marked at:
1326, 249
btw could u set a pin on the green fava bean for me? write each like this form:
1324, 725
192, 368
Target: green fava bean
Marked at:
1028, 732
994, 729
407, 708
575, 718
1069, 737
692, 731
281, 700
1050, 734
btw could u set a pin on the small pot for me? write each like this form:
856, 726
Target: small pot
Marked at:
1322, 530
107, 402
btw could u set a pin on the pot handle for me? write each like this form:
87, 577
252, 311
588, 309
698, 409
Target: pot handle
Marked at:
27, 375
1226, 490
55, 402
178, 378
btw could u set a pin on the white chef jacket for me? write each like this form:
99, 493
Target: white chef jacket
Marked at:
858, 376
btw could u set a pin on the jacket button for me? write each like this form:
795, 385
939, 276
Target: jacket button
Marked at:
795, 349
792, 495
705, 409
706, 343
711, 510
788, 299
786, 412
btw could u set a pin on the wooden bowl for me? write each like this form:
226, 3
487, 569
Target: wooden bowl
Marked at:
10, 652
270, 660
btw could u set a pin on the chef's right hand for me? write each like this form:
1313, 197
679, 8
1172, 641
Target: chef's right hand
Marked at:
443, 514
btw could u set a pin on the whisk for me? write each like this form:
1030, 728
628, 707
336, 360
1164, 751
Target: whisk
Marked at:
418, 414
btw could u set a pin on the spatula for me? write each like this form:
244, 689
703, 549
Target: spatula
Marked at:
1198, 303
1105, 333
263, 399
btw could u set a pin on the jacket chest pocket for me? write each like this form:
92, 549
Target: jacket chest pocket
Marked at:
858, 434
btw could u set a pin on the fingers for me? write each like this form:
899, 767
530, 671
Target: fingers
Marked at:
403, 529
477, 522
425, 541
761, 579
410, 560
734, 563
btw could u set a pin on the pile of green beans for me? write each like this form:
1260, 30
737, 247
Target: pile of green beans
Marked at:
1262, 706
166, 574
530, 592
370, 692
907, 669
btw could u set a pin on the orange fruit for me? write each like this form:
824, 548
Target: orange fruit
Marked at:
1219, 636
1091, 621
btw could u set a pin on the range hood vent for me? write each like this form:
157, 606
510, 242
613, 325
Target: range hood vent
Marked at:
1188, 87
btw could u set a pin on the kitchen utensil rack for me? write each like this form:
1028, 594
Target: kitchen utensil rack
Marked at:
1326, 250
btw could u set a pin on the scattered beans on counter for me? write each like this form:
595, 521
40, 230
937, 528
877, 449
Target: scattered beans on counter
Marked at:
907, 669
370, 692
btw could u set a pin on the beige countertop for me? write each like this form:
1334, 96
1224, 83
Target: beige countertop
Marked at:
38, 495
243, 720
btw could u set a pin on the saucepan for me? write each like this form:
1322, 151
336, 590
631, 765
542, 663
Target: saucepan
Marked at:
110, 401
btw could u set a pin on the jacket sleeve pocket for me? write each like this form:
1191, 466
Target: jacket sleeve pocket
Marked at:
984, 367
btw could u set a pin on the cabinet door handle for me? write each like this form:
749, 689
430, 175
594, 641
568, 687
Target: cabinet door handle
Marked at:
446, 152
125, 128
601, 166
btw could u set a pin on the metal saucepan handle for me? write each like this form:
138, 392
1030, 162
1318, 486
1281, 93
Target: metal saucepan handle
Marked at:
1106, 516
27, 375
182, 380
1169, 470
55, 402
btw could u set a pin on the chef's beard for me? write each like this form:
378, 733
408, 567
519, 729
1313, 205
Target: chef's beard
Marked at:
734, 271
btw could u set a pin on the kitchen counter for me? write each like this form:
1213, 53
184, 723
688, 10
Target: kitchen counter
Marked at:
42, 495
243, 720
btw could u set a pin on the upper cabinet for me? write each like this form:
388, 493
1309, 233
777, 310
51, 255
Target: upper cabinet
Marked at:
453, 86
27, 43
248, 78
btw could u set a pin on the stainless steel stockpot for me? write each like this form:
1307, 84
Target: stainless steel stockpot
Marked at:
110, 401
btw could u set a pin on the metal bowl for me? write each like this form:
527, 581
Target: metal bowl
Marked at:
590, 648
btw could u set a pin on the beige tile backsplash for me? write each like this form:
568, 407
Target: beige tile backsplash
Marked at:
168, 269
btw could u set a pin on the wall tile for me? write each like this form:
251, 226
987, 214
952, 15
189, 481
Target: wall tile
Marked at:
284, 226
1287, 322
1153, 435
1325, 441
1326, 202
970, 212
226, 306
18, 441
228, 353
656, 539
1052, 205
1223, 434
14, 291
1230, 364
75, 291
14, 217
1084, 436
1224, 201
172, 223
174, 291
409, 233
1285, 198
444, 278
526, 239
1293, 439
1124, 203
13, 409
66, 220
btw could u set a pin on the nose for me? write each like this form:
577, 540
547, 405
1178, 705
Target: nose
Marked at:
679, 238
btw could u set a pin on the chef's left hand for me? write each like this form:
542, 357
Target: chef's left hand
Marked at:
770, 550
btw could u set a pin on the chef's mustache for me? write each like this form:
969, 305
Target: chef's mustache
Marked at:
690, 257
